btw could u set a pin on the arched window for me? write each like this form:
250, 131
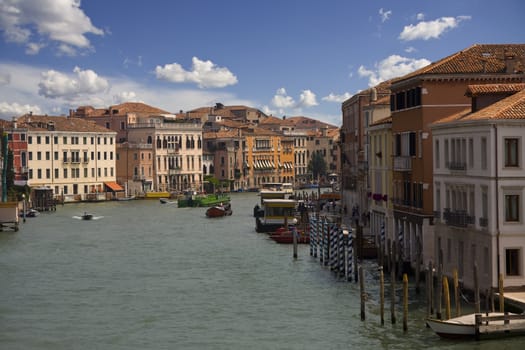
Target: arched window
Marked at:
150, 140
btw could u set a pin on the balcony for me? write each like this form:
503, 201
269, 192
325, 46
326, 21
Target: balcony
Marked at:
483, 222
138, 177
458, 218
174, 171
457, 166
402, 163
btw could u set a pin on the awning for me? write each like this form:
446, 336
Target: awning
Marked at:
115, 187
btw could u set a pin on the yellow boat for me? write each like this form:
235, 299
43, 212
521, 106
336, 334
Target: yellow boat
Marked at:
157, 195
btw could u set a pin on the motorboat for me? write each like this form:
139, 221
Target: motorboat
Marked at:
219, 210
86, 216
285, 236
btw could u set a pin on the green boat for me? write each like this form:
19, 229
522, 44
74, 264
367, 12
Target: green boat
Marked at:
202, 200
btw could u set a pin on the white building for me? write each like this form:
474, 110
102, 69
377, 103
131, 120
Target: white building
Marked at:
479, 187
72, 156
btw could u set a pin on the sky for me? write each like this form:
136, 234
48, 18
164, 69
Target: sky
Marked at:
284, 57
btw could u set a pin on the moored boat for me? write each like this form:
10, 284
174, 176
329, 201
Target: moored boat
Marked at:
277, 213
286, 236
202, 200
30, 213
219, 210
491, 324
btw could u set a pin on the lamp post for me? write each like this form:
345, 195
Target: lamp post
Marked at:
24, 207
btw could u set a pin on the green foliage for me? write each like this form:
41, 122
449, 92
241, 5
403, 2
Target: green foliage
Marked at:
317, 165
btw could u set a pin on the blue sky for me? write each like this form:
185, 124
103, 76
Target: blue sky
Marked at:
284, 57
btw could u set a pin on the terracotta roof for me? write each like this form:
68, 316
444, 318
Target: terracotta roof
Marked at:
489, 89
512, 107
41, 122
123, 108
477, 59
220, 134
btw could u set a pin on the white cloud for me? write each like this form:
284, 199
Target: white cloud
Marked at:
337, 98
391, 67
410, 49
55, 84
8, 110
420, 16
307, 99
125, 96
33, 48
204, 73
61, 21
5, 78
385, 15
282, 100
431, 29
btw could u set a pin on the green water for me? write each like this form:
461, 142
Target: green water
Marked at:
147, 275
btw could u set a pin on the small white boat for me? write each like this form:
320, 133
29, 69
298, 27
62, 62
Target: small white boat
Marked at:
465, 326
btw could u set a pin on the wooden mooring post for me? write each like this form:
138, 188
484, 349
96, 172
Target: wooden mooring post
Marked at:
393, 294
405, 302
501, 296
362, 289
446, 294
382, 294
457, 301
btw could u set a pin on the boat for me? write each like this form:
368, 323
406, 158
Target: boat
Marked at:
258, 210
30, 213
86, 216
123, 199
277, 213
219, 210
154, 195
193, 200
286, 236
491, 324
166, 201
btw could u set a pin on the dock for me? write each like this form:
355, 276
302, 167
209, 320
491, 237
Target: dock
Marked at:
500, 325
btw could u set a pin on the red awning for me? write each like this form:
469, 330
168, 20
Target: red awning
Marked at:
115, 187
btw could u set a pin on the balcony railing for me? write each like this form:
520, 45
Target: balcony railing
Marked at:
174, 171
458, 218
483, 222
402, 163
457, 165
138, 177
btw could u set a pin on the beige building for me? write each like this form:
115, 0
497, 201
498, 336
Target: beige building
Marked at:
72, 156
176, 153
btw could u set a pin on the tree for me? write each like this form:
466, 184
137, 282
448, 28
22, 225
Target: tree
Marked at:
317, 165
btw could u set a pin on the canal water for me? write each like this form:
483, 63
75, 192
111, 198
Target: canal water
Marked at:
146, 275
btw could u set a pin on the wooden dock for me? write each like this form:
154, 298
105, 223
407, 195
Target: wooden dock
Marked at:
500, 325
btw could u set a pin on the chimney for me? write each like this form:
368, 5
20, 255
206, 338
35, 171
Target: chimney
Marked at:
510, 63
14, 123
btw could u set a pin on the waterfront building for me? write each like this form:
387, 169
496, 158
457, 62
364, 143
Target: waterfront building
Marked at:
479, 187
262, 156
380, 180
354, 165
176, 148
72, 156
418, 99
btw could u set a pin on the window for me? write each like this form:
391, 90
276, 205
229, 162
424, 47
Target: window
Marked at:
512, 207
512, 262
56, 173
436, 151
511, 152
55, 140
65, 173
30, 140
38, 140
38, 155
47, 140
483, 153
470, 153
48, 173
39, 173
65, 140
